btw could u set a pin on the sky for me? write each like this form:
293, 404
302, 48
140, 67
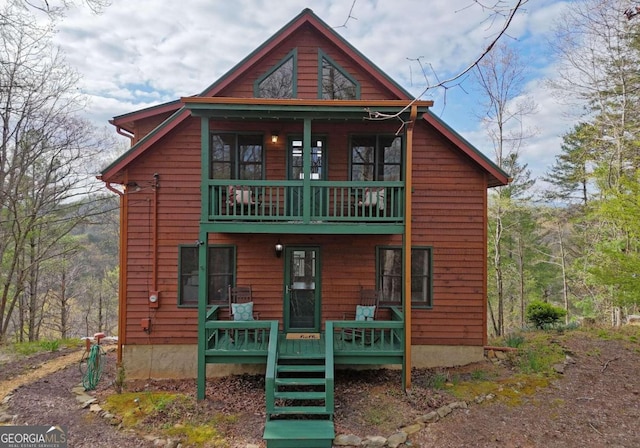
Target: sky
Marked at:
137, 54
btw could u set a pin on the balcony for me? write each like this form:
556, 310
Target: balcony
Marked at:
239, 206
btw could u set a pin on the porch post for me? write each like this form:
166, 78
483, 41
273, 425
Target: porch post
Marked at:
406, 250
306, 169
203, 238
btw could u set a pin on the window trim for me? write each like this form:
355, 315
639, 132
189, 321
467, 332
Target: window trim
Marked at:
322, 55
292, 54
210, 247
234, 160
377, 156
414, 304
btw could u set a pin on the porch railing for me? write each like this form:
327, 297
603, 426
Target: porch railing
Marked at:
287, 201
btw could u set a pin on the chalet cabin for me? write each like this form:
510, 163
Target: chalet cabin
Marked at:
304, 179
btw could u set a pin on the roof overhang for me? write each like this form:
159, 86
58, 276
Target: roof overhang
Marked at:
294, 109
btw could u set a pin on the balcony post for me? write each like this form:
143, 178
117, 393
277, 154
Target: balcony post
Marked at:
306, 169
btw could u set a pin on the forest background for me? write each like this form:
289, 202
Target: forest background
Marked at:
574, 242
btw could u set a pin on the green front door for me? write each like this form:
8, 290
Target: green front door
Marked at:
302, 289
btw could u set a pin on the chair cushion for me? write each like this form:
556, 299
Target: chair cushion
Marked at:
372, 197
242, 311
239, 195
365, 312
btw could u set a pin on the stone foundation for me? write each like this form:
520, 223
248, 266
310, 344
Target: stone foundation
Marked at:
181, 361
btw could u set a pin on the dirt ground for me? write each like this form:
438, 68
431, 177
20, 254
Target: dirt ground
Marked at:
594, 403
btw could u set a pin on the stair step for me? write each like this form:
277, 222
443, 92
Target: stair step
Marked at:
300, 381
301, 395
317, 410
299, 433
298, 368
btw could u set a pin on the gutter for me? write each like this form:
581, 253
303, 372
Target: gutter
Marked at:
122, 303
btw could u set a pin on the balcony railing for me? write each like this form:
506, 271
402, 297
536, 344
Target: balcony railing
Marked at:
305, 202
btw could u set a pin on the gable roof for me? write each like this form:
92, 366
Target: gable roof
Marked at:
307, 16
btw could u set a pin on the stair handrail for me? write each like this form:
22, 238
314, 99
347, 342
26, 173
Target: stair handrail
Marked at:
270, 375
329, 372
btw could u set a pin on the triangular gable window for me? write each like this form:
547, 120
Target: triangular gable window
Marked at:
280, 81
335, 83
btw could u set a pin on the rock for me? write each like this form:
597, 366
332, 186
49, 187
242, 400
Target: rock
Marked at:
6, 399
159, 442
431, 417
491, 354
95, 408
397, 439
501, 356
569, 360
347, 440
412, 429
458, 405
374, 441
252, 445
443, 411
150, 438
5, 418
559, 368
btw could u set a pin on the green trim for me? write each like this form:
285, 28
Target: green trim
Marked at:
202, 311
236, 152
322, 55
168, 104
294, 112
210, 248
414, 305
287, 277
292, 54
377, 158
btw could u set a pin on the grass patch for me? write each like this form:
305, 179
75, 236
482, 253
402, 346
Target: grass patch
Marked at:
173, 415
49, 345
509, 391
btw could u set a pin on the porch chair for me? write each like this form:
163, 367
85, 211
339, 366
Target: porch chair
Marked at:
241, 310
366, 310
373, 198
240, 196
241, 304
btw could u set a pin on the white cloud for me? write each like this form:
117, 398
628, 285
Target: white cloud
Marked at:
137, 54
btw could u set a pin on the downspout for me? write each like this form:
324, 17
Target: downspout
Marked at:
122, 278
406, 244
124, 133
154, 235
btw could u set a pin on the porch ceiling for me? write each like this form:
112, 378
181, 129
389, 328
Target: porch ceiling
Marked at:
294, 109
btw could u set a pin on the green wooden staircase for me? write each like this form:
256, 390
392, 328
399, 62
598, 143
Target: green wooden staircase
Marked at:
300, 401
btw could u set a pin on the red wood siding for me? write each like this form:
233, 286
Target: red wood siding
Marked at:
449, 203
307, 41
144, 126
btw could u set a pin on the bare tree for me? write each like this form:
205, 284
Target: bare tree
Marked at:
44, 149
500, 78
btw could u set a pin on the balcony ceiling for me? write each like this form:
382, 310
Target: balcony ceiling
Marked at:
294, 109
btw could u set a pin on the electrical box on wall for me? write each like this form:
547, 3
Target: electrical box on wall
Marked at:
146, 324
154, 299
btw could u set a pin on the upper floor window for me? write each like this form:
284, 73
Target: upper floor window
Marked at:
280, 81
390, 278
221, 264
376, 158
237, 156
336, 83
